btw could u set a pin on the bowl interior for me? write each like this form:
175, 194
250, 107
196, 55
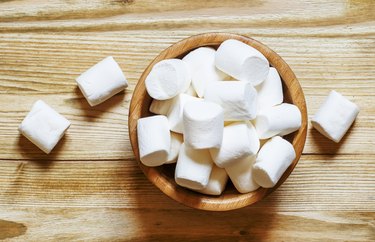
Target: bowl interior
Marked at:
163, 176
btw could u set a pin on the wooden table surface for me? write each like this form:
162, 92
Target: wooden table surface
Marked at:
90, 187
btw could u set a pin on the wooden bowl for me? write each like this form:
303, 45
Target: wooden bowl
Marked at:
163, 176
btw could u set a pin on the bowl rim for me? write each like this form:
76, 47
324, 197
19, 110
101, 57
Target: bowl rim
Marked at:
194, 199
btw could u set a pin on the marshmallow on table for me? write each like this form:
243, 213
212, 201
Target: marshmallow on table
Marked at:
176, 142
270, 92
335, 116
43, 126
102, 81
203, 123
176, 109
273, 159
201, 63
167, 79
238, 99
193, 168
216, 183
241, 175
154, 140
280, 120
239, 140
242, 62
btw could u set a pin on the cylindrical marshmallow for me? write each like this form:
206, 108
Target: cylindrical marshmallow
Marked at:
176, 142
335, 116
280, 120
193, 168
102, 81
242, 62
241, 175
154, 140
270, 92
167, 79
176, 109
201, 63
203, 123
216, 183
273, 159
238, 99
161, 106
236, 144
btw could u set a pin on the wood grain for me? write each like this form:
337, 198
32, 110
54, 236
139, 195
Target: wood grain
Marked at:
92, 173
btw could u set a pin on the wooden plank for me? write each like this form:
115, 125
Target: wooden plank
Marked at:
318, 183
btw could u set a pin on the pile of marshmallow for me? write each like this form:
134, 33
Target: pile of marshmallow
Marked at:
213, 107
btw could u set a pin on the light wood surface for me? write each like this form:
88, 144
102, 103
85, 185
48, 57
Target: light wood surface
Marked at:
91, 188
163, 176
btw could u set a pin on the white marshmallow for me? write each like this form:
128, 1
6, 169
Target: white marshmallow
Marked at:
238, 99
176, 142
154, 140
201, 63
191, 91
167, 79
280, 120
242, 62
102, 81
193, 168
175, 112
43, 126
161, 106
216, 183
203, 124
236, 144
270, 92
273, 159
241, 175
335, 116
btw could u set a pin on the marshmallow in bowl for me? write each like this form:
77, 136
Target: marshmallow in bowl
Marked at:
154, 140
241, 175
176, 109
176, 142
272, 161
236, 144
242, 62
335, 116
167, 79
270, 92
201, 63
216, 183
280, 120
102, 81
43, 126
203, 124
238, 99
193, 168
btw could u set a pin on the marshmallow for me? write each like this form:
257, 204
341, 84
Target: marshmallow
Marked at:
203, 124
242, 62
270, 92
176, 142
335, 116
43, 126
167, 79
175, 112
191, 91
161, 106
273, 159
238, 99
193, 168
241, 175
154, 140
280, 120
216, 183
236, 144
201, 63
102, 81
